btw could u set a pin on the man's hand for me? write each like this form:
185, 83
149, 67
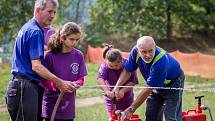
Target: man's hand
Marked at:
128, 113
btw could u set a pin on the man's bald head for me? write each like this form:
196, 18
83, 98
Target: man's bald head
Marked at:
146, 48
145, 41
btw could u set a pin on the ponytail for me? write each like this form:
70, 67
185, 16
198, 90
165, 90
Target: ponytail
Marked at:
111, 54
107, 47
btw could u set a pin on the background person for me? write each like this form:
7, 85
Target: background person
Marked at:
108, 75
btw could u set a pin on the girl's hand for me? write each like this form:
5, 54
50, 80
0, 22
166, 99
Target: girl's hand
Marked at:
76, 86
110, 94
120, 95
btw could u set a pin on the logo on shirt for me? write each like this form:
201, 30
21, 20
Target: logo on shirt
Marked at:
74, 67
20, 33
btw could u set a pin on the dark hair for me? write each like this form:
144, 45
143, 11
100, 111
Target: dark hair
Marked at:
55, 44
111, 54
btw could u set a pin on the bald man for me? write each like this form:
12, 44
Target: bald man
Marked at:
159, 69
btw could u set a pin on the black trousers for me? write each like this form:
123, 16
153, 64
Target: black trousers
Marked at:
40, 98
22, 99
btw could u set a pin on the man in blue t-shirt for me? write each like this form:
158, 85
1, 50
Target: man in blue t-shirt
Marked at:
27, 65
164, 81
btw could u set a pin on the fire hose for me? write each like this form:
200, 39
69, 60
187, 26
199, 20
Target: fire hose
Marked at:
56, 106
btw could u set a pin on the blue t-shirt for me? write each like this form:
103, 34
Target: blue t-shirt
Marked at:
166, 68
29, 46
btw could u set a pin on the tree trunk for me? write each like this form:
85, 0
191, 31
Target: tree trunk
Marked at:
77, 11
169, 21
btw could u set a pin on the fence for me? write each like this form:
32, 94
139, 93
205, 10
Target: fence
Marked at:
193, 64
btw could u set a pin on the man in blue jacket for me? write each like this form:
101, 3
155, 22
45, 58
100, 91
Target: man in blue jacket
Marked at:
160, 70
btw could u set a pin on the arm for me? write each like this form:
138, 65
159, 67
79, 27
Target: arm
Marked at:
129, 66
124, 90
64, 86
124, 76
103, 86
137, 102
80, 81
141, 98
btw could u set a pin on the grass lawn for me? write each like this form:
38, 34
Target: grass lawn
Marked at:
98, 112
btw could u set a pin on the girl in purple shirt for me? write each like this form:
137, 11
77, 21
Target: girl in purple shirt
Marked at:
108, 75
67, 62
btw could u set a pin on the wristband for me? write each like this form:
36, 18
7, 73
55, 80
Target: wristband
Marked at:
131, 109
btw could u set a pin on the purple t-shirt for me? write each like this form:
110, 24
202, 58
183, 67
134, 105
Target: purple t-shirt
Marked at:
48, 31
111, 76
67, 66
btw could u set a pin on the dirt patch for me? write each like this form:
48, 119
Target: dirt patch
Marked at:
79, 103
89, 101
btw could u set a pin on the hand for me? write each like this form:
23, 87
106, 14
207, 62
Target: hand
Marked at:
66, 86
110, 94
128, 113
75, 85
116, 92
120, 95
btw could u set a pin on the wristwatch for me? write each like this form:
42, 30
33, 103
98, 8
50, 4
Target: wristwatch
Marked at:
131, 109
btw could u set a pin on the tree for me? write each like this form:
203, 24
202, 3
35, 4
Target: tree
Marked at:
159, 18
13, 15
146, 17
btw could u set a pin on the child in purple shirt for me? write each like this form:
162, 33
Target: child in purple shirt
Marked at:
67, 62
108, 75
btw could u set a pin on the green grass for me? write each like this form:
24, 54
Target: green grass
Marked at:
90, 80
4, 79
4, 116
98, 112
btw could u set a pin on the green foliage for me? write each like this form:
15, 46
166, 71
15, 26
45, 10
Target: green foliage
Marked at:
146, 17
158, 18
195, 16
13, 15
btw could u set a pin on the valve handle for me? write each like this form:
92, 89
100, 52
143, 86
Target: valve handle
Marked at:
199, 109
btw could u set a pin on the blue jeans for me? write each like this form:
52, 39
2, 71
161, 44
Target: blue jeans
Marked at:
165, 101
22, 99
